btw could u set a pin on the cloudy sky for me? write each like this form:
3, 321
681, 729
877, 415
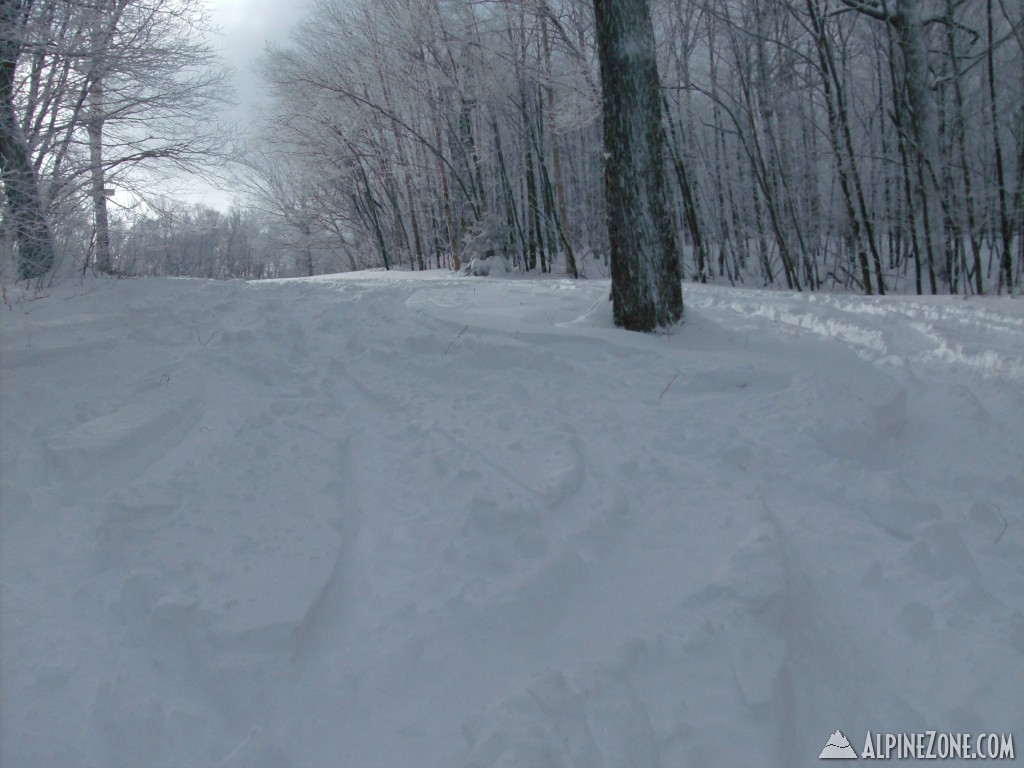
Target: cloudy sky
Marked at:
245, 28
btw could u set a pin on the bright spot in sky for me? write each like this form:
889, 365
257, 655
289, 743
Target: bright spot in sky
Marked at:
244, 29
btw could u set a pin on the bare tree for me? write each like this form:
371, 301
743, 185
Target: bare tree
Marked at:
112, 91
21, 187
810, 144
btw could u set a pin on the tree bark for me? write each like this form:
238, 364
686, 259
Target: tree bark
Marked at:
21, 188
1005, 225
556, 160
94, 129
646, 286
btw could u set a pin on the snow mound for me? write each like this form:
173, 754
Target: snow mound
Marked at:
487, 266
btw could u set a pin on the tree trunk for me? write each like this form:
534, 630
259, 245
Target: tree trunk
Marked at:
646, 287
307, 251
689, 199
556, 159
833, 108
449, 222
21, 188
1005, 225
94, 128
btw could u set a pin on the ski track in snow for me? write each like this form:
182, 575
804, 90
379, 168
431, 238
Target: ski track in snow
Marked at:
386, 519
897, 329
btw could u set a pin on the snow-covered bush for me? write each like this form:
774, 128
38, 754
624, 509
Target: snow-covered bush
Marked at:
484, 248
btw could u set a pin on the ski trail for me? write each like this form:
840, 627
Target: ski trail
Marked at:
438, 521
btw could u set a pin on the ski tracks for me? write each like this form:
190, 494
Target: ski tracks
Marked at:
890, 330
331, 506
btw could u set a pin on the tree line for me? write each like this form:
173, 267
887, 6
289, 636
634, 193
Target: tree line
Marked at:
194, 240
872, 145
869, 145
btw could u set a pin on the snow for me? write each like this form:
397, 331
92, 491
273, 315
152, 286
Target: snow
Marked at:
395, 519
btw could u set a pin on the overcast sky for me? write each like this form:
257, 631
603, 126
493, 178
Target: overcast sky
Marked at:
245, 27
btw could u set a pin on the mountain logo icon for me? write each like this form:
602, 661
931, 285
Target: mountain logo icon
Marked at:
838, 748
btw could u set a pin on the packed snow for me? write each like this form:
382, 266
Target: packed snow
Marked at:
388, 520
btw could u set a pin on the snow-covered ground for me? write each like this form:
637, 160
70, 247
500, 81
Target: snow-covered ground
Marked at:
389, 520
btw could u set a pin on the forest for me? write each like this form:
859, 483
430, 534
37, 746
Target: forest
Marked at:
427, 502
872, 146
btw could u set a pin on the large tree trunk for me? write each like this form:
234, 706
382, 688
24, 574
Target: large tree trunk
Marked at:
21, 188
646, 287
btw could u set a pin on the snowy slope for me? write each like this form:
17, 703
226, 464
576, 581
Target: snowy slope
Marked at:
415, 520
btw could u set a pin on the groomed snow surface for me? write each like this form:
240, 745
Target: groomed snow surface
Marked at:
392, 521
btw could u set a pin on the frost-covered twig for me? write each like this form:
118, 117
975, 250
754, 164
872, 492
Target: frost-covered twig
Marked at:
1005, 523
199, 336
448, 348
670, 383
